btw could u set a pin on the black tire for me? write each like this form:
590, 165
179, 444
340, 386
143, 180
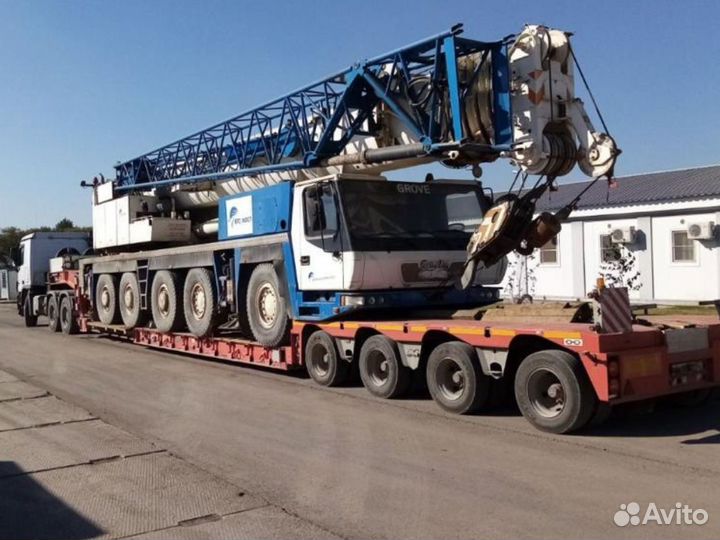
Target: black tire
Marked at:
68, 322
243, 320
381, 369
455, 380
53, 313
28, 315
200, 302
166, 302
129, 300
553, 393
106, 299
323, 362
267, 307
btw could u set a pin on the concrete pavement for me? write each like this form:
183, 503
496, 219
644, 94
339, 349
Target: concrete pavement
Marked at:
351, 465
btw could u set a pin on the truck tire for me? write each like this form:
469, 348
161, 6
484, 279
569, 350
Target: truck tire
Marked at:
28, 314
106, 299
129, 300
455, 380
323, 362
166, 301
553, 393
200, 302
381, 370
267, 307
53, 313
66, 314
243, 321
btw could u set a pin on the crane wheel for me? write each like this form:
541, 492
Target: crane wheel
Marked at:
28, 314
455, 380
129, 292
53, 313
66, 314
323, 362
267, 307
106, 301
553, 393
200, 302
166, 301
381, 370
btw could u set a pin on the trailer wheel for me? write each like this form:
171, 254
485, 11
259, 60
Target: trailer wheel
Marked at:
266, 307
381, 370
129, 292
323, 362
553, 393
106, 304
28, 315
68, 322
200, 302
53, 313
165, 301
455, 380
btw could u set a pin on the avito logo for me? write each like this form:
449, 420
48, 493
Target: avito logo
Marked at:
681, 514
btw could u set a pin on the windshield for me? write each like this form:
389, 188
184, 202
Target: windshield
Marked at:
410, 216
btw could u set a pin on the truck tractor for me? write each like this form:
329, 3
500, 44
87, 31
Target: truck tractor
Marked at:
39, 254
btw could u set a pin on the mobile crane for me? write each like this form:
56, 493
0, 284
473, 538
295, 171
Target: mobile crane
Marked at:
272, 238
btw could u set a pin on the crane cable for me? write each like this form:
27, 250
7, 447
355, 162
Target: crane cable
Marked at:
587, 87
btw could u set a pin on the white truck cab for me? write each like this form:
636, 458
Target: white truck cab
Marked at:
357, 233
32, 258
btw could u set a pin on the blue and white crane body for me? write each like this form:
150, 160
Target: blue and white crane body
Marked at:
282, 213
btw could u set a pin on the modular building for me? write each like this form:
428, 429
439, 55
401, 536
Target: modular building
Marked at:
655, 233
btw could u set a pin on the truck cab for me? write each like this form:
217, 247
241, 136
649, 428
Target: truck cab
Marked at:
368, 233
32, 258
361, 241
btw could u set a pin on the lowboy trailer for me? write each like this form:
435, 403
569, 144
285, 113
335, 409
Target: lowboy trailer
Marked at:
564, 376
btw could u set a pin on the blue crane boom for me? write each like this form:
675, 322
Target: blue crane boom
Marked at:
422, 85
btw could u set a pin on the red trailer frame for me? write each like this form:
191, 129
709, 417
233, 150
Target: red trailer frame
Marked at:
621, 367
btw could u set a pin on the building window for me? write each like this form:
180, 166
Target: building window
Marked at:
549, 252
609, 252
683, 248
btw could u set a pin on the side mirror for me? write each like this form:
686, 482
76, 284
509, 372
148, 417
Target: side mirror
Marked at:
15, 256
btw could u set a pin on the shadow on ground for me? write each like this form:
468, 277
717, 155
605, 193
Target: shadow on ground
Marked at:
29, 511
666, 420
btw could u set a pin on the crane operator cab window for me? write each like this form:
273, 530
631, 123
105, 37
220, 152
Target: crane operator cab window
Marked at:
321, 216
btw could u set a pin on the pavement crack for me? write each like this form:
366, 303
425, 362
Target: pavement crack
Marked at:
51, 424
194, 521
209, 518
95, 461
9, 400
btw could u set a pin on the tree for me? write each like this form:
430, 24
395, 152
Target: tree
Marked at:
65, 224
10, 238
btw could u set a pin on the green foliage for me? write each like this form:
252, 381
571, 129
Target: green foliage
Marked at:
65, 224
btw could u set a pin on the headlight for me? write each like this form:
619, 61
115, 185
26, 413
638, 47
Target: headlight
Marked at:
352, 301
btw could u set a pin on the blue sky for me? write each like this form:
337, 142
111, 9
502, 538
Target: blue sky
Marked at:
86, 84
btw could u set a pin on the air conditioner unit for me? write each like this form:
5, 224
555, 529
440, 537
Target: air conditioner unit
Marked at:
623, 235
701, 231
